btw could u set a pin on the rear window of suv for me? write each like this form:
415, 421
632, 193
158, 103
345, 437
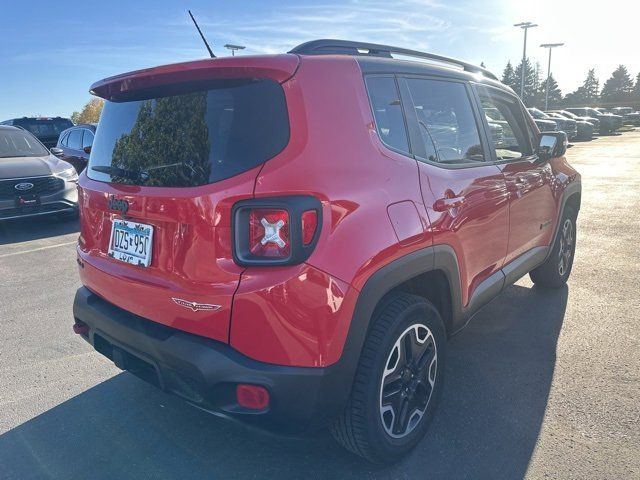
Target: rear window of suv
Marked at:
191, 137
44, 127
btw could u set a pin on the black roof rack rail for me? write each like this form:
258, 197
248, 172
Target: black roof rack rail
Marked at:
347, 47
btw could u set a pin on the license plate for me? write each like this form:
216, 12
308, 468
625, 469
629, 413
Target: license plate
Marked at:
131, 242
27, 202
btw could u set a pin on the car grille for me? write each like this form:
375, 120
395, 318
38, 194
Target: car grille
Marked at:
41, 186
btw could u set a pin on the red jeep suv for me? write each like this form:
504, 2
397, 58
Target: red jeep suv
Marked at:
289, 240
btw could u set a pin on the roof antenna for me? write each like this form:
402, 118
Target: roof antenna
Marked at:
201, 35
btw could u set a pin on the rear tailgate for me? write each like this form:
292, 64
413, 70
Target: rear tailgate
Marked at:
191, 258
179, 150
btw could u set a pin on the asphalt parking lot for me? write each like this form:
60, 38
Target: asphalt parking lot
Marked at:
542, 384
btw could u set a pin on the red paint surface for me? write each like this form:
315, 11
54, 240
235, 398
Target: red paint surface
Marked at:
300, 315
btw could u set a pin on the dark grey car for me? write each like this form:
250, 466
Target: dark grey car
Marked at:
33, 182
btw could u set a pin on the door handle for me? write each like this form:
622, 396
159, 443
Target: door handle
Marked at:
447, 203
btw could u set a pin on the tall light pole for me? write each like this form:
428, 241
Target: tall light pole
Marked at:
233, 48
550, 46
525, 26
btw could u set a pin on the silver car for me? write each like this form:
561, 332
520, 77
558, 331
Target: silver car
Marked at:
33, 182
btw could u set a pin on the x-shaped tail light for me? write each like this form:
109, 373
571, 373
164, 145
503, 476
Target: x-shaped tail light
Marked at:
272, 232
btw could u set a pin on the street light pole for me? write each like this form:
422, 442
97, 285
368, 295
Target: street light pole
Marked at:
525, 26
550, 46
233, 48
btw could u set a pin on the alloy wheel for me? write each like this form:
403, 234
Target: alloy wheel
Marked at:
566, 247
408, 380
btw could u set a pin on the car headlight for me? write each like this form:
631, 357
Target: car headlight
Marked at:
69, 174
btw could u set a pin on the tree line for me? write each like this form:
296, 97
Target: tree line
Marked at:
619, 90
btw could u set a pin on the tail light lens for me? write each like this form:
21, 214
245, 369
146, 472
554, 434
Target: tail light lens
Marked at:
275, 231
269, 233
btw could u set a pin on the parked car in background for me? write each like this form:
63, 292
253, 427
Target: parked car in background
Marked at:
608, 123
46, 129
618, 119
584, 129
564, 124
74, 145
228, 256
592, 120
33, 182
629, 115
546, 125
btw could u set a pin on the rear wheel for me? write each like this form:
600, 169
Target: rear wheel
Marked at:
398, 382
555, 271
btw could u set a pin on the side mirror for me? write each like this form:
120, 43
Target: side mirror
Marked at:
58, 152
552, 144
87, 149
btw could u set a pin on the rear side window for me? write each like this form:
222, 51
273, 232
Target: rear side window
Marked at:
447, 122
74, 140
190, 138
387, 111
87, 139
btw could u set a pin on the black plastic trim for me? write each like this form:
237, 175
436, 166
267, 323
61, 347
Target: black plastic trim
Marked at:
205, 372
295, 205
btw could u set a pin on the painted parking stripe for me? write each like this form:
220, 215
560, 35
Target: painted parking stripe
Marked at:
38, 249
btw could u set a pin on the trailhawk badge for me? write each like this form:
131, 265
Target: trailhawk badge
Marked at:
196, 306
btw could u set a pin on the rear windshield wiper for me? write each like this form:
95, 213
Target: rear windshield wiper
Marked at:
117, 172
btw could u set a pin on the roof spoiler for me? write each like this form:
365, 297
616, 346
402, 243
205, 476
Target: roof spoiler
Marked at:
346, 47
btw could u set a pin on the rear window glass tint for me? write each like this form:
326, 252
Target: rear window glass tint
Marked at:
446, 119
387, 111
192, 138
74, 141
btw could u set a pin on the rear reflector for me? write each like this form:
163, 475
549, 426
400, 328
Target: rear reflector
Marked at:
252, 396
309, 225
80, 328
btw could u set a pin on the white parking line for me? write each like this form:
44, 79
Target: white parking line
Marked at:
37, 249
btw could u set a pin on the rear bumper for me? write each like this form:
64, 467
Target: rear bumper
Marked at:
205, 372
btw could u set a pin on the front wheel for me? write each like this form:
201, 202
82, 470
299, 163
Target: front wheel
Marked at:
398, 382
555, 271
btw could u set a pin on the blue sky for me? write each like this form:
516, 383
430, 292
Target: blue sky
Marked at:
51, 52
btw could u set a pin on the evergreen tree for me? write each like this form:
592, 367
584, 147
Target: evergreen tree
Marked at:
509, 76
591, 85
530, 82
635, 96
587, 93
618, 88
555, 95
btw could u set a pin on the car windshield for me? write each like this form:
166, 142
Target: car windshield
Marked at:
570, 115
190, 138
44, 127
18, 143
535, 113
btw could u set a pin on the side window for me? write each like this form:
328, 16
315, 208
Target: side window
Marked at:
87, 139
63, 140
446, 120
387, 111
509, 133
74, 140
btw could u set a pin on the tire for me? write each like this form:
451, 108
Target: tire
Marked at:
555, 271
370, 427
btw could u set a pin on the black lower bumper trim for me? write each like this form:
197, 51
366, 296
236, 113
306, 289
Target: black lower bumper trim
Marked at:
205, 372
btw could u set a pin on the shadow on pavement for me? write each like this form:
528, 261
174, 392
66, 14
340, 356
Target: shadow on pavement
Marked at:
499, 375
26, 229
